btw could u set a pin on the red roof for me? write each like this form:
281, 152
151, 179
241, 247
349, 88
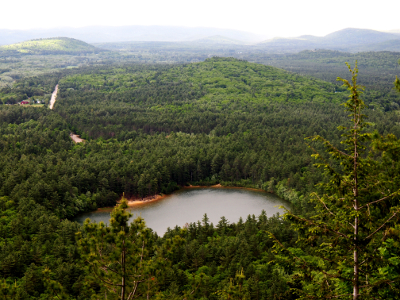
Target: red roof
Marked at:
24, 102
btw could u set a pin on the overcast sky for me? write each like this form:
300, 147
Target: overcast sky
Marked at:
266, 17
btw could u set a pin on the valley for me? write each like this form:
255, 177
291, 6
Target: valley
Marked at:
172, 119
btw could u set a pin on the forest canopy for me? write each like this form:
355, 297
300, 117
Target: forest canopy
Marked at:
151, 129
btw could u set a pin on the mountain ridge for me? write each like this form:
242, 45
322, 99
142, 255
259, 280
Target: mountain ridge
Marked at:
348, 39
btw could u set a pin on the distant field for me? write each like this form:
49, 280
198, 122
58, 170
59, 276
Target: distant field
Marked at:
33, 105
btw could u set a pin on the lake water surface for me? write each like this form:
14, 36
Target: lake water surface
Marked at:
189, 205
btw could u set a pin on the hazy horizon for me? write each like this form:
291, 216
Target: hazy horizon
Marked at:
287, 19
193, 27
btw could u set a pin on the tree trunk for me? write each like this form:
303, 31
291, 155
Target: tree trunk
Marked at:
123, 272
148, 290
356, 266
355, 192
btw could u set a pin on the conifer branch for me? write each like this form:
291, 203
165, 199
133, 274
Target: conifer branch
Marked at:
304, 262
326, 142
106, 282
327, 165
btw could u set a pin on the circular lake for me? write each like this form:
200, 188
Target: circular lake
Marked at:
190, 205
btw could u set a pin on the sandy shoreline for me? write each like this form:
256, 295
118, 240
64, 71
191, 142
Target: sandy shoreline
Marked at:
139, 201
148, 199
132, 202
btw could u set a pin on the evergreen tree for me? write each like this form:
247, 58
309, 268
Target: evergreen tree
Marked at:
117, 256
397, 82
341, 249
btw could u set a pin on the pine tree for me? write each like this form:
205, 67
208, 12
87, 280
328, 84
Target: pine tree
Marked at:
340, 253
397, 82
117, 256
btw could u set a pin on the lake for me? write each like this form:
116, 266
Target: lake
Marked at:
189, 205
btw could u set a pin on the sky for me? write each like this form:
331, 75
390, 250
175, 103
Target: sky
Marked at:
265, 17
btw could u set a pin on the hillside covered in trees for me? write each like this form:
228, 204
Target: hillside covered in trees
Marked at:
150, 129
59, 45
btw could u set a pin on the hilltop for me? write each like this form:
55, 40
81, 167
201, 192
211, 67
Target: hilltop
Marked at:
349, 39
193, 98
215, 77
58, 45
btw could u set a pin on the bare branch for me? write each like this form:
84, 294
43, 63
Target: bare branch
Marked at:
384, 198
336, 149
381, 226
331, 297
109, 269
99, 277
381, 282
321, 226
320, 200
106, 282
328, 208
131, 294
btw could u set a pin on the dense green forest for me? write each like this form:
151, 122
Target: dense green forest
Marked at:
150, 129
14, 68
57, 54
218, 94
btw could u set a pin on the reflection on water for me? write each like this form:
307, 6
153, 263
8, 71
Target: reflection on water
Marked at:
189, 205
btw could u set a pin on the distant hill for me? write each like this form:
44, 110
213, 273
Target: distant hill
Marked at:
107, 34
394, 31
218, 39
59, 45
353, 36
349, 39
391, 45
208, 45
188, 38
278, 45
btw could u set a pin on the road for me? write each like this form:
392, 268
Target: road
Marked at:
53, 97
76, 138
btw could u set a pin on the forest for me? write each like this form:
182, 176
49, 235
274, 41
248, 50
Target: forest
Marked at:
153, 128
